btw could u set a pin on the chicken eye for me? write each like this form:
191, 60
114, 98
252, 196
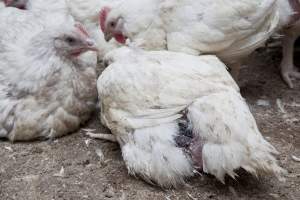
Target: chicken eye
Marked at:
112, 24
70, 40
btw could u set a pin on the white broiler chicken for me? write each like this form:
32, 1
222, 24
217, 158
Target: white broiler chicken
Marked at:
45, 91
230, 29
173, 114
290, 24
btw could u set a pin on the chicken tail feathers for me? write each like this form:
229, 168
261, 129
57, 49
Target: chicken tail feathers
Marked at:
230, 137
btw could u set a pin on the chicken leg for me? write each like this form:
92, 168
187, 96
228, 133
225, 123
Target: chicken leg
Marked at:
101, 136
288, 70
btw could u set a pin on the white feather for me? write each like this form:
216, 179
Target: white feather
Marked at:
232, 138
230, 29
152, 154
36, 98
143, 95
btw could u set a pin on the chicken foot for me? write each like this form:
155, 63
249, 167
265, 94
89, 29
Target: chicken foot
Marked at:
101, 136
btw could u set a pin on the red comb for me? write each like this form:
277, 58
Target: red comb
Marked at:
102, 17
82, 29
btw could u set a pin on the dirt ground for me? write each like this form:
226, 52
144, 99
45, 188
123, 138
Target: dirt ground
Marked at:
73, 167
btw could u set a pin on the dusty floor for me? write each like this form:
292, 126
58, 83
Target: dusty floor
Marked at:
69, 168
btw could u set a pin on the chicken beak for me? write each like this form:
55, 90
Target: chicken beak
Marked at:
91, 45
107, 36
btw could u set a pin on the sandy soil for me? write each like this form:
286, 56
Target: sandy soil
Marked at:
70, 168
